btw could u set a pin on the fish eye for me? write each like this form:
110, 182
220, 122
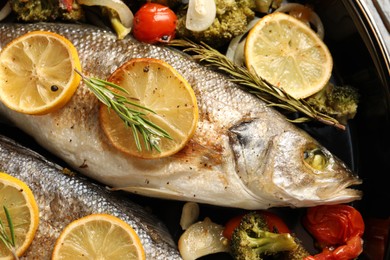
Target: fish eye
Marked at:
315, 158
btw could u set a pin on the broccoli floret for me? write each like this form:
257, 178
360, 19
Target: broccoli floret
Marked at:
45, 10
252, 240
340, 102
231, 20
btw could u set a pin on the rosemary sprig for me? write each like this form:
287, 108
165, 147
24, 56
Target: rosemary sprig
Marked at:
135, 119
262, 89
9, 241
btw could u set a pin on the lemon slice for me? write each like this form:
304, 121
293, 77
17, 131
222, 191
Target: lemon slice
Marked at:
37, 72
157, 86
288, 54
17, 197
98, 236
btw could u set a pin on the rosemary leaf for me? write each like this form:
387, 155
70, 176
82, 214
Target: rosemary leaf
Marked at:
262, 89
140, 126
9, 242
10, 225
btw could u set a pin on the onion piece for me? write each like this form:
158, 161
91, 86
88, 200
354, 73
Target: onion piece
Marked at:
125, 14
264, 6
5, 11
305, 14
202, 238
200, 14
235, 50
189, 215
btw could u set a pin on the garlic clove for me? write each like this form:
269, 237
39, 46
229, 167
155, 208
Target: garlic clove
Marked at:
200, 14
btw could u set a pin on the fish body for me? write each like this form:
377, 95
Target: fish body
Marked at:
62, 197
243, 154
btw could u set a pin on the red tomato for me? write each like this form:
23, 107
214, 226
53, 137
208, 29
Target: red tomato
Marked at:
154, 23
351, 250
231, 225
68, 4
333, 224
274, 222
338, 229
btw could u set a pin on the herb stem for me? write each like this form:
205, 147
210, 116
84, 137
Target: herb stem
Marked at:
259, 87
9, 241
151, 133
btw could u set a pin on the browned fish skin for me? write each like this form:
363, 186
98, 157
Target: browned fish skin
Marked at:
243, 154
63, 198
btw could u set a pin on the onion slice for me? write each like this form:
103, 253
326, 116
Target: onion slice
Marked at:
200, 14
235, 50
125, 14
5, 11
305, 14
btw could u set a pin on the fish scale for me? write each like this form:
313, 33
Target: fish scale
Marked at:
244, 154
63, 196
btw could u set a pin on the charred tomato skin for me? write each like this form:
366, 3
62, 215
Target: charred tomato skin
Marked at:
154, 23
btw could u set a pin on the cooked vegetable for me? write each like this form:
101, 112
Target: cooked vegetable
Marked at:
231, 20
338, 230
231, 225
253, 239
202, 238
200, 15
154, 23
189, 214
306, 14
5, 11
46, 10
263, 6
340, 102
119, 14
274, 223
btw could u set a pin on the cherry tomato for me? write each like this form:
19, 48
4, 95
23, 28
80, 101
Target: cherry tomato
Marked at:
274, 222
154, 23
68, 4
333, 224
231, 225
336, 227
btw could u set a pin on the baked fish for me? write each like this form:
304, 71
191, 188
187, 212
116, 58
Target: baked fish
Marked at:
244, 154
63, 197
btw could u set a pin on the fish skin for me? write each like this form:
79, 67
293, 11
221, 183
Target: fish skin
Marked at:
63, 196
243, 154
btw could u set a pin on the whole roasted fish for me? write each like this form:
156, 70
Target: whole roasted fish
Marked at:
243, 154
62, 198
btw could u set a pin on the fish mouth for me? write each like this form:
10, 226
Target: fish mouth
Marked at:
344, 193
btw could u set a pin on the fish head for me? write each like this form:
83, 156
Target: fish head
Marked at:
290, 166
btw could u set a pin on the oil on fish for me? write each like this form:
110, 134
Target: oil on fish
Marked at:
243, 154
63, 197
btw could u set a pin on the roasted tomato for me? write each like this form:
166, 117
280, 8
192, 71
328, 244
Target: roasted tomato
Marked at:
338, 229
231, 225
274, 222
68, 4
154, 23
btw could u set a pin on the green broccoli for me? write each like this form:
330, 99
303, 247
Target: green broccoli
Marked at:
252, 240
340, 102
231, 20
46, 10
